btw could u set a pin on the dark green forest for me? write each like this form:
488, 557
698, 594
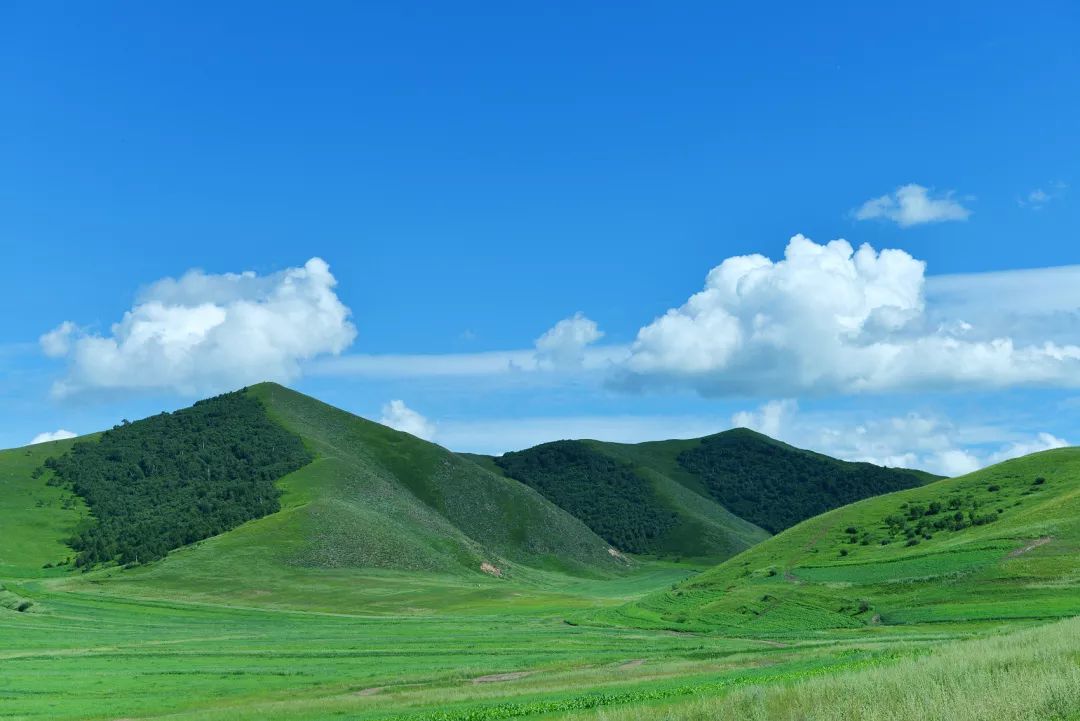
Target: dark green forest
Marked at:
608, 496
176, 478
776, 486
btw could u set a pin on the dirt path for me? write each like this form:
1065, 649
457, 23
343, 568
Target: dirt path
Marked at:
636, 663
1031, 546
370, 691
496, 677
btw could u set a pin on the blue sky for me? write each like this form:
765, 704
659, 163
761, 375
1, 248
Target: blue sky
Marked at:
472, 176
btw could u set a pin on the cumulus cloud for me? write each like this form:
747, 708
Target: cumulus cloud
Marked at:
830, 319
564, 344
1041, 442
205, 332
770, 419
58, 435
400, 417
55, 435
57, 342
913, 440
912, 205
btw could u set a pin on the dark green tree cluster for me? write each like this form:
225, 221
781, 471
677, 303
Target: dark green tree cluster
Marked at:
919, 520
176, 478
608, 496
775, 486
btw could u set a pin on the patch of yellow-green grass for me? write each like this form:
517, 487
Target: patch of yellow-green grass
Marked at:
1031, 675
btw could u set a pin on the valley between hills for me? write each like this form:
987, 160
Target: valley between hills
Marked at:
263, 555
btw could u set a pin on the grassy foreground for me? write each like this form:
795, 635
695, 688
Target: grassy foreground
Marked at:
1031, 675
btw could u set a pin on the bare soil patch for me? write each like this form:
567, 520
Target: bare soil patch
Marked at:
496, 677
1031, 546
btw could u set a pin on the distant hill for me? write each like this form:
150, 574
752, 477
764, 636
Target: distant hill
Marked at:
708, 497
775, 485
1000, 543
280, 477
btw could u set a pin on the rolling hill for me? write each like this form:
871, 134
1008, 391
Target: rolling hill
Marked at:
1002, 543
289, 481
708, 497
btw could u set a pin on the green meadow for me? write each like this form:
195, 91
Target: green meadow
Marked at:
397, 580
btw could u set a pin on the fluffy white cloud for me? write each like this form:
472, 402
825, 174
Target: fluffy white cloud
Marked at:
52, 436
910, 441
912, 205
57, 342
400, 417
1041, 442
205, 332
830, 319
770, 419
564, 344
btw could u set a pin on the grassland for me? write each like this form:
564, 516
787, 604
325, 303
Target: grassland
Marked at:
1014, 554
362, 599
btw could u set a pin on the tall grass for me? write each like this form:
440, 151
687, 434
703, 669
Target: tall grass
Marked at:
1031, 675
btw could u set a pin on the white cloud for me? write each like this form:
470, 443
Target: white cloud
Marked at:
564, 344
1041, 442
912, 205
205, 332
53, 436
1038, 198
57, 342
909, 441
830, 319
400, 417
770, 418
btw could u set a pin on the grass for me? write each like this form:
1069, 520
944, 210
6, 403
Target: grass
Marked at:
1032, 675
91, 650
36, 518
362, 599
834, 570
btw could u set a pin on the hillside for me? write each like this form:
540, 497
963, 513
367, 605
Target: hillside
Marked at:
272, 476
708, 497
1000, 543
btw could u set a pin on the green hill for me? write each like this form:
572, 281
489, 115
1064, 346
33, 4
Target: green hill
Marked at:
701, 498
280, 478
1000, 543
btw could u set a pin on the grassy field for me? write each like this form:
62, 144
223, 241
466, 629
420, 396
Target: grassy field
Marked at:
88, 649
1017, 556
357, 602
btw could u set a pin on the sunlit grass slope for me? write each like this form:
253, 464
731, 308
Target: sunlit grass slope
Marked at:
1001, 543
376, 497
35, 519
